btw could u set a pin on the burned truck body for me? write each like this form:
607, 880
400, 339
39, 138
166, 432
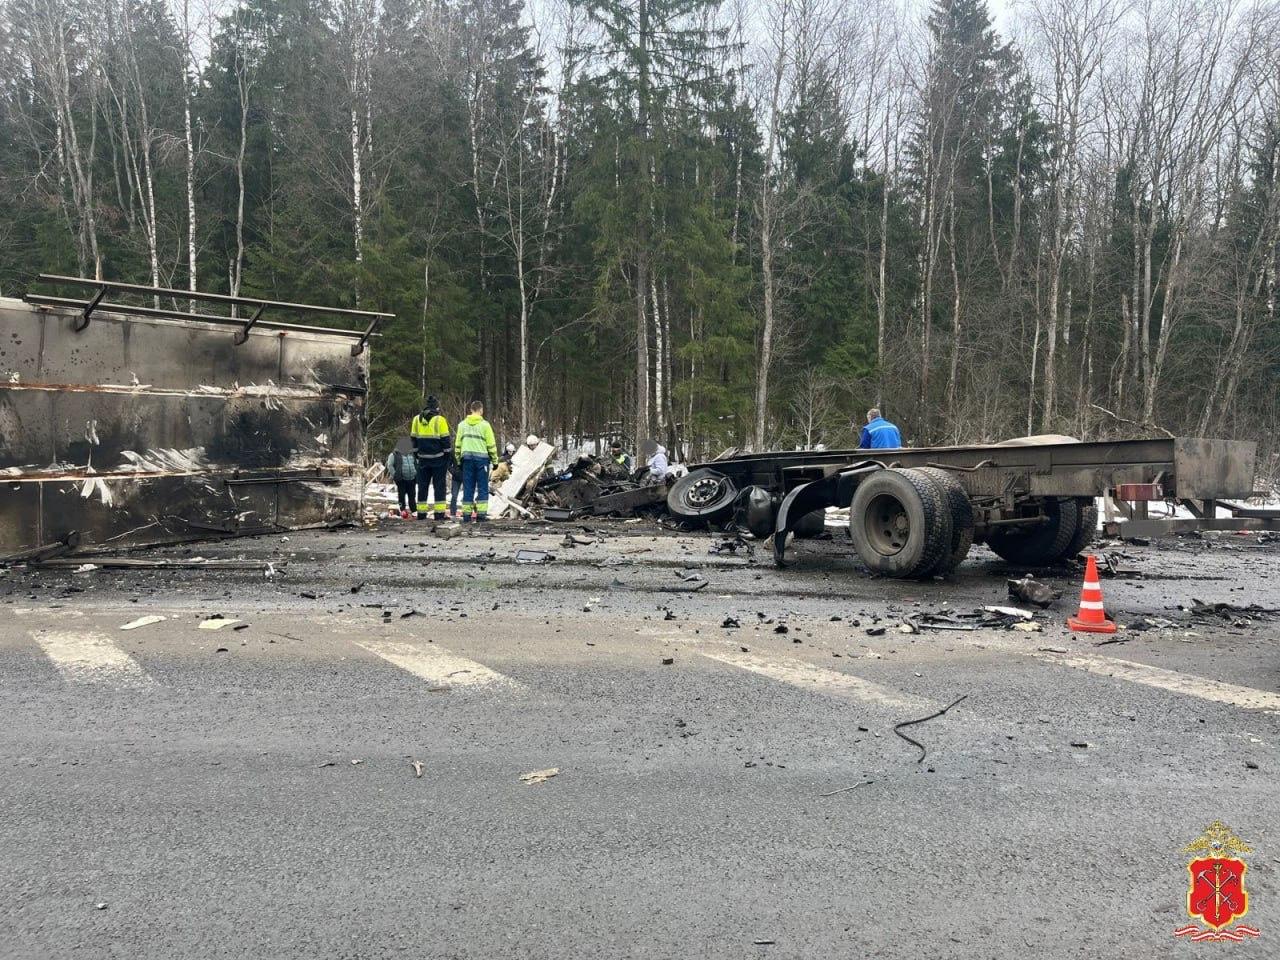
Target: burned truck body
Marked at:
916, 512
130, 424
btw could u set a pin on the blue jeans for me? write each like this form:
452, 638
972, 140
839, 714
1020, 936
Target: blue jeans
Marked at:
455, 489
475, 485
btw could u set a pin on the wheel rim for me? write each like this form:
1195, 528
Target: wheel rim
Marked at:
887, 525
703, 492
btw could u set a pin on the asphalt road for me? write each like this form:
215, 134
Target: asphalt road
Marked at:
171, 791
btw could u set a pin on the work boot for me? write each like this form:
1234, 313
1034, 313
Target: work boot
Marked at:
466, 518
440, 516
481, 518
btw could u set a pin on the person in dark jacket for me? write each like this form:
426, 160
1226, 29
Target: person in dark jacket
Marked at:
430, 433
879, 433
403, 472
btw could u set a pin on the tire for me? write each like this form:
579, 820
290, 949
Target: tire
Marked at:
702, 495
961, 510
1086, 529
899, 523
1042, 545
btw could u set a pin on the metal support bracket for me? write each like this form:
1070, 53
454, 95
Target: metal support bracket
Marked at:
833, 490
89, 307
243, 333
357, 348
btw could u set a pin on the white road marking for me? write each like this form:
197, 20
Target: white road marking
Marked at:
798, 673
435, 664
1170, 680
92, 658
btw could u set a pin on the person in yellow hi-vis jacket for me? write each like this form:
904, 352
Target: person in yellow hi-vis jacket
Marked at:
476, 451
430, 434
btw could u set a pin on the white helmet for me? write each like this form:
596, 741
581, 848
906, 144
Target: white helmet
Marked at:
531, 441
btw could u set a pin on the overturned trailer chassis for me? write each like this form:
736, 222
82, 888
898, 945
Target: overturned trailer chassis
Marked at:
915, 512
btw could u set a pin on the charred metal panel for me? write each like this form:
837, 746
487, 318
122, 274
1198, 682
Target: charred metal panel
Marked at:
140, 429
1215, 468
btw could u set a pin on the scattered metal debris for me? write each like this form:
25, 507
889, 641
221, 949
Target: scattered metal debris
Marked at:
1033, 591
539, 776
142, 622
417, 768
1112, 565
217, 622
1216, 612
1150, 623
897, 727
162, 563
45, 552
534, 556
983, 618
1013, 612
864, 783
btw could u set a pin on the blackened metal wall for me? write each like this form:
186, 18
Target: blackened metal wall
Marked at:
141, 430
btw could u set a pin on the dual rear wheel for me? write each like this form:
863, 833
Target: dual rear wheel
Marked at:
1070, 525
918, 523
911, 523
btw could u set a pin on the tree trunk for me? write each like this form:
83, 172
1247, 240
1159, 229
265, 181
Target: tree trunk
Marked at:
191, 151
660, 361
955, 317
767, 214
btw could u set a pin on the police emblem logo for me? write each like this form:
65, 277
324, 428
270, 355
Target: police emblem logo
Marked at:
1216, 894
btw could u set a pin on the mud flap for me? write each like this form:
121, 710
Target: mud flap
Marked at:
835, 490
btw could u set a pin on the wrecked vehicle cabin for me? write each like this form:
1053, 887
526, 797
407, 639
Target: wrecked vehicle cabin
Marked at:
127, 423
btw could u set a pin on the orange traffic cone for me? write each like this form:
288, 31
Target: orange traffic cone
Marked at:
1091, 618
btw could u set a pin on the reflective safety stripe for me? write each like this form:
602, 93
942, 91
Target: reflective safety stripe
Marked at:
436, 427
475, 438
1091, 605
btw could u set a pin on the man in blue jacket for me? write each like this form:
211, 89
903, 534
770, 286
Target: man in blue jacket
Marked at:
879, 433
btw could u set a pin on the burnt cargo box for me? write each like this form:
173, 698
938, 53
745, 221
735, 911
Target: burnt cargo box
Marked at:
137, 430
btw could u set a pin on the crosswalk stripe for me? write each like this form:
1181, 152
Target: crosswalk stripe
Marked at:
435, 664
92, 658
805, 675
1170, 680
